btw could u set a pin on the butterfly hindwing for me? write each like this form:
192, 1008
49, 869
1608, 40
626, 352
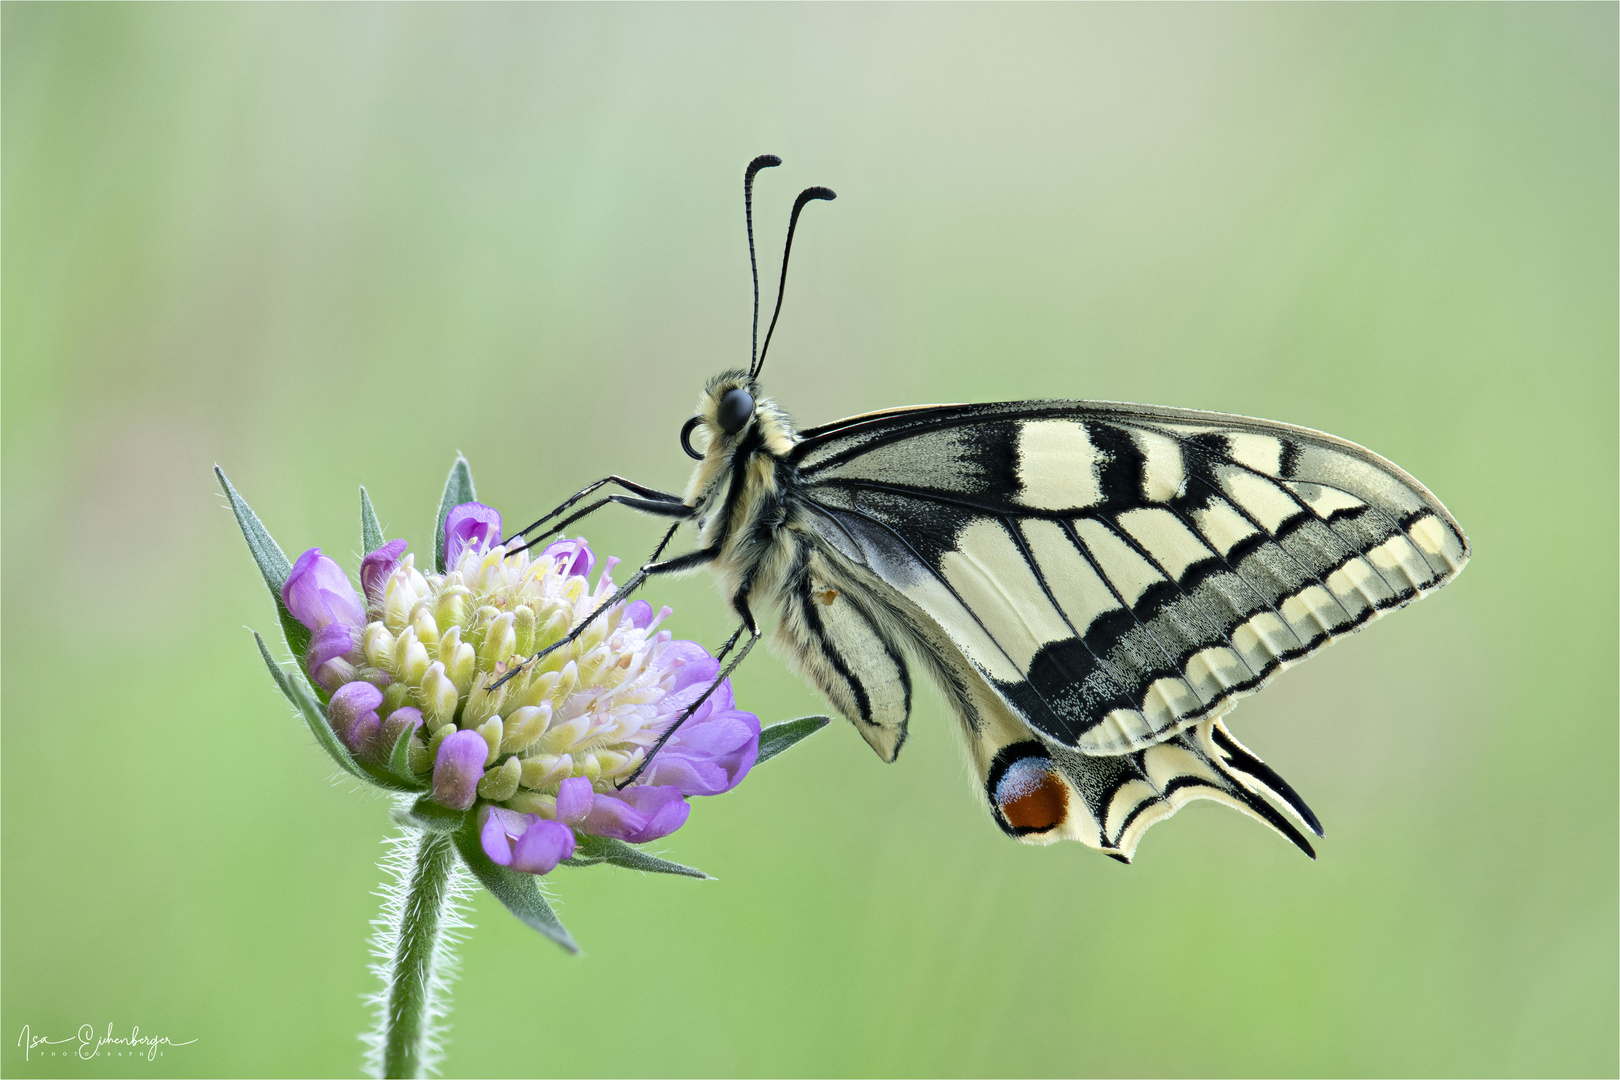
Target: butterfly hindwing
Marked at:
842, 638
1036, 790
1119, 573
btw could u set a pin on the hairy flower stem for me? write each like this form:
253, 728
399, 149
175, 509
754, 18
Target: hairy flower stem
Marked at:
411, 985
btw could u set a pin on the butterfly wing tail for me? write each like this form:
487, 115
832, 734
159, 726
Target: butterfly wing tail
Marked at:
1126, 794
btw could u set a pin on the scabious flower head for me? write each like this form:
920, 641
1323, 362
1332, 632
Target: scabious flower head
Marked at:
540, 757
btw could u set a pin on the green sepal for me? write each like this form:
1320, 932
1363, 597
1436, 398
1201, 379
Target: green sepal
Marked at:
779, 737
272, 561
427, 814
591, 850
371, 534
519, 892
399, 760
458, 489
304, 701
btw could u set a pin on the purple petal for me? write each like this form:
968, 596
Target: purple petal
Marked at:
574, 800
542, 846
689, 776
377, 567
688, 663
468, 525
401, 718
318, 593
497, 827
353, 703
364, 736
574, 557
637, 814
638, 613
710, 753
458, 768
331, 642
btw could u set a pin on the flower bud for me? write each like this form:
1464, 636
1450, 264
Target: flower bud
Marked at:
335, 672
457, 769
538, 691
462, 667
501, 783
563, 736
611, 763
540, 770
399, 600
378, 646
449, 641
551, 632
352, 712
377, 567
523, 625
439, 696
410, 657
395, 696
397, 721
491, 731
427, 631
524, 726
318, 593
500, 640
532, 802
542, 846
451, 608
567, 679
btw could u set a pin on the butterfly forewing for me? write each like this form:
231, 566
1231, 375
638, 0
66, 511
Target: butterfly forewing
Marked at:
1118, 572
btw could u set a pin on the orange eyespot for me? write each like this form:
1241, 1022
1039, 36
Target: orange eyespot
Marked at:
1031, 796
826, 597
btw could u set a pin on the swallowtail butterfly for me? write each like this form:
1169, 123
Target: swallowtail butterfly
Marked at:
1092, 585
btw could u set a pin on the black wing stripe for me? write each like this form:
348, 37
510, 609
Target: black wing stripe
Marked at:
829, 649
1242, 510
1239, 596
1035, 567
1176, 670
935, 573
1362, 544
1239, 759
1218, 634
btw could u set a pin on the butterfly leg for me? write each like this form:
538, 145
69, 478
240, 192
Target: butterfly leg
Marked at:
629, 485
656, 507
730, 641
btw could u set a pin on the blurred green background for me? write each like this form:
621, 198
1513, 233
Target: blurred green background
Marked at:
332, 245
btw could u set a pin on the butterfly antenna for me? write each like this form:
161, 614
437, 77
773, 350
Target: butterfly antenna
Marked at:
764, 161
806, 196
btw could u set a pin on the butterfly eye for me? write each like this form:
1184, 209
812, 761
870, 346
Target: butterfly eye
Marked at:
686, 438
735, 409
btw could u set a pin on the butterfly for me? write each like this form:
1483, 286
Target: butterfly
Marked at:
1092, 585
